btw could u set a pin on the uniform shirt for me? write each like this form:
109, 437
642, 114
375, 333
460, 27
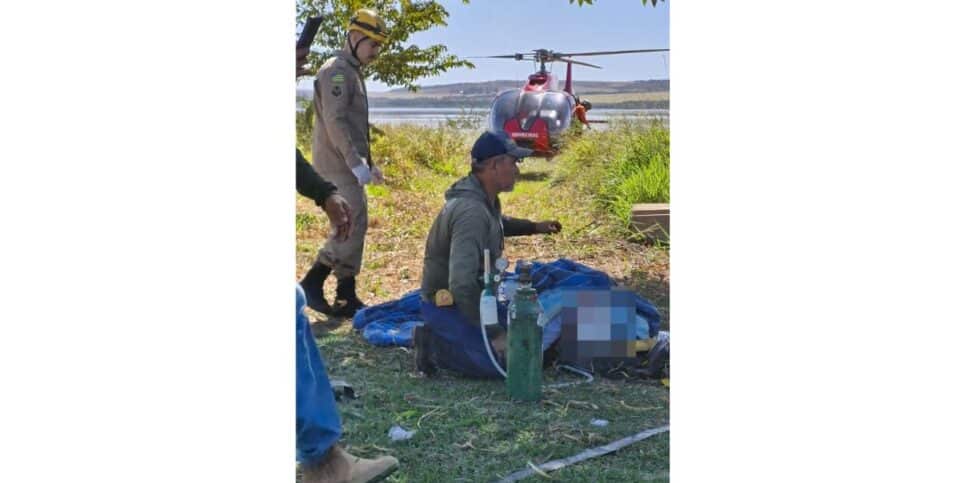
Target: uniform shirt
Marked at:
340, 137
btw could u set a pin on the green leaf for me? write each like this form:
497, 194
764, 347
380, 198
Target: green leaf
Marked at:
399, 64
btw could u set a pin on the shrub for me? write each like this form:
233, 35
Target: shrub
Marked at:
626, 164
402, 149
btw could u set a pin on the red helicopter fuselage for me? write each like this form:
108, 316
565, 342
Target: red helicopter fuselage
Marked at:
537, 115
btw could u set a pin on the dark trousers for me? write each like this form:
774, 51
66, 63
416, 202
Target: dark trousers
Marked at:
456, 345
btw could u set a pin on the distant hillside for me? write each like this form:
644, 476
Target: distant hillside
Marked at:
649, 94
496, 86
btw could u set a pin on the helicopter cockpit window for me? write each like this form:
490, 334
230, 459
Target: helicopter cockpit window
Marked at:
504, 108
529, 110
554, 109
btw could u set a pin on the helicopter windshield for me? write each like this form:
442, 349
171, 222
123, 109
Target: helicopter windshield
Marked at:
554, 109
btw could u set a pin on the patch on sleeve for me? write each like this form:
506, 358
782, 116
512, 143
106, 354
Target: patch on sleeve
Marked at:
338, 80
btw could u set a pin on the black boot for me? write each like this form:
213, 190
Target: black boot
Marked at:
346, 303
659, 359
423, 350
313, 284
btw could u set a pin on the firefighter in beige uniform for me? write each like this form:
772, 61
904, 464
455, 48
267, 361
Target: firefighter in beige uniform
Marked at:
340, 153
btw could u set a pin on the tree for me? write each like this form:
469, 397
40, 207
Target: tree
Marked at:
398, 64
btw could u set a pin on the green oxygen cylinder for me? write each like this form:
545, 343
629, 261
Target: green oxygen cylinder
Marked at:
524, 336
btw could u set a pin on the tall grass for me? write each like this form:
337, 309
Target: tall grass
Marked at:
303, 126
624, 165
403, 151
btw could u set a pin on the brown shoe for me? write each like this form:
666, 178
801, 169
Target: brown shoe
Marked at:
338, 466
333, 468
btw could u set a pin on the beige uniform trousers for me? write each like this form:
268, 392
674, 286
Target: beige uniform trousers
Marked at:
345, 257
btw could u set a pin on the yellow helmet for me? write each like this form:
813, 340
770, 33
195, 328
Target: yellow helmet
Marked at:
369, 22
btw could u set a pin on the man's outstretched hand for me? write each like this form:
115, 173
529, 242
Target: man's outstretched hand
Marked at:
545, 227
340, 215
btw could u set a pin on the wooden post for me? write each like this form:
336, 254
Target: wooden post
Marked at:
652, 219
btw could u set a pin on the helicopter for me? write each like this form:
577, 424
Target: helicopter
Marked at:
537, 115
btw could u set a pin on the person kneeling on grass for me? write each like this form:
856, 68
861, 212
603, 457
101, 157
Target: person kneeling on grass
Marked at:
470, 221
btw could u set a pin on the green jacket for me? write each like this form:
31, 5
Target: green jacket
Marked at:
466, 225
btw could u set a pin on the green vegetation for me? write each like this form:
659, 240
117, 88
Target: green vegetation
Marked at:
649, 94
626, 164
604, 100
303, 127
401, 62
467, 430
482, 102
403, 149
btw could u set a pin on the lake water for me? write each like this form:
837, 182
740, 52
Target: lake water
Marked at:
431, 116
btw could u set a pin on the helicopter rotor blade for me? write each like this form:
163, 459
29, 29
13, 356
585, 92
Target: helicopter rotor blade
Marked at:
610, 52
511, 56
572, 61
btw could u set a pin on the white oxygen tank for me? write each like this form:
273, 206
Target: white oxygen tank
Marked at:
488, 311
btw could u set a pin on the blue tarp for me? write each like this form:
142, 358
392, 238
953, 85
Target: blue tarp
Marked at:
391, 323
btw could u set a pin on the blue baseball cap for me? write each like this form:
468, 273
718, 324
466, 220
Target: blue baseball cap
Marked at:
491, 144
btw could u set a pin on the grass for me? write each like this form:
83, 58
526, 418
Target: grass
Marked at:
467, 430
620, 167
603, 99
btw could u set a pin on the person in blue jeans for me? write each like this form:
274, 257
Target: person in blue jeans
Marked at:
317, 423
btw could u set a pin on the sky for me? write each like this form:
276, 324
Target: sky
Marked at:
498, 27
